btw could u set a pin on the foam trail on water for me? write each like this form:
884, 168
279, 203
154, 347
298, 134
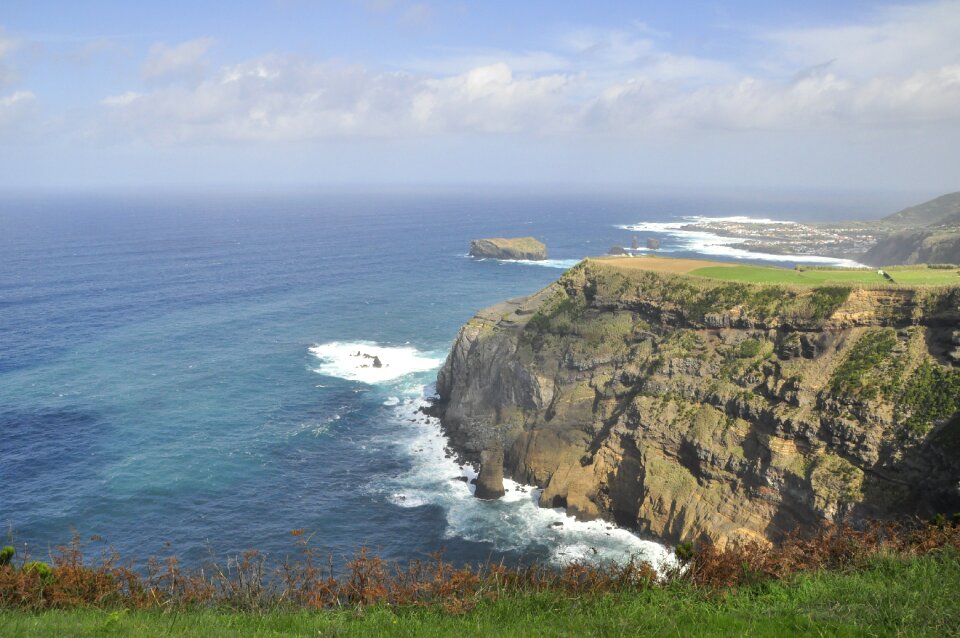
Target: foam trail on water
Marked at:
565, 264
544, 263
514, 523
706, 243
354, 361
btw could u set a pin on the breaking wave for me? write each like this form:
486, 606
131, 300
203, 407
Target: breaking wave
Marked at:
369, 362
707, 243
563, 264
514, 523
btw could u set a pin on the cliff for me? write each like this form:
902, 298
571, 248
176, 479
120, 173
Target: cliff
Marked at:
694, 409
928, 233
915, 247
512, 248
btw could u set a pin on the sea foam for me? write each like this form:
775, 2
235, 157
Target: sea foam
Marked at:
706, 243
514, 523
354, 361
563, 264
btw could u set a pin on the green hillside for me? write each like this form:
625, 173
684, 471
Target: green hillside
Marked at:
942, 211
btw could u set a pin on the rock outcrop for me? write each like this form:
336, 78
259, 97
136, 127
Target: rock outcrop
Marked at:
490, 480
513, 248
693, 409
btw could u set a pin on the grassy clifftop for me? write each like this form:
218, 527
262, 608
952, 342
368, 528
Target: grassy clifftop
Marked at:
910, 276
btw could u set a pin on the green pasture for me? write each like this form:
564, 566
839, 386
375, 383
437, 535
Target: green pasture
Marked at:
839, 276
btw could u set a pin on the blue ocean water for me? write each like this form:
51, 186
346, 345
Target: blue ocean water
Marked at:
158, 387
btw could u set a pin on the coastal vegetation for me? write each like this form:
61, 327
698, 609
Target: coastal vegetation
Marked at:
932, 394
879, 579
869, 368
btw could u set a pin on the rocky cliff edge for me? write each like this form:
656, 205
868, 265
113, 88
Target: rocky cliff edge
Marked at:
692, 409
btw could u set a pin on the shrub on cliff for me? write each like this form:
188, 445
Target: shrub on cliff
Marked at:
858, 374
932, 393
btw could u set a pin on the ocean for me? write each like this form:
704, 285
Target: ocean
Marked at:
178, 373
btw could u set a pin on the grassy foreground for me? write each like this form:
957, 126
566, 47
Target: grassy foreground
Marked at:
891, 597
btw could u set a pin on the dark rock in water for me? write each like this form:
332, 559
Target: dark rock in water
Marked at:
555, 524
377, 363
490, 480
462, 479
635, 242
617, 250
653, 244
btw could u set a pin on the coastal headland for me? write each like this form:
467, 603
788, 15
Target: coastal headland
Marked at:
704, 401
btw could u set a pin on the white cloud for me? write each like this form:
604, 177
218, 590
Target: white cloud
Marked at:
124, 99
16, 98
15, 109
17, 106
902, 68
895, 40
7, 45
453, 61
182, 59
276, 99
417, 14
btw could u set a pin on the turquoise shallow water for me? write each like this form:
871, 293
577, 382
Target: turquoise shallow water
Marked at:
158, 388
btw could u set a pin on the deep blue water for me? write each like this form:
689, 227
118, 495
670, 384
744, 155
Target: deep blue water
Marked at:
157, 384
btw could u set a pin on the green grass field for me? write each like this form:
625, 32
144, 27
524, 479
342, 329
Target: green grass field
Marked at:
768, 275
893, 597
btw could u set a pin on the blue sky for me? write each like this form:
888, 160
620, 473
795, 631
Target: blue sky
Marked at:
811, 95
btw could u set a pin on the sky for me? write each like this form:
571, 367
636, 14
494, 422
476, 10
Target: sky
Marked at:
856, 96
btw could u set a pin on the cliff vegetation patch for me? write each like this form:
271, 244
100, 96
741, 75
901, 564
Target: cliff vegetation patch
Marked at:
869, 368
932, 394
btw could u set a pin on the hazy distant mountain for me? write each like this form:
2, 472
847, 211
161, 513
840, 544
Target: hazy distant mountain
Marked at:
928, 233
942, 211
915, 247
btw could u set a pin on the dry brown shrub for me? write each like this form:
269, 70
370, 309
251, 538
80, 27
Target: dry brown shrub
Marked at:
315, 581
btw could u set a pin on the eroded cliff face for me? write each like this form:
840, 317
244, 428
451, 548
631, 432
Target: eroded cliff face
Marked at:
915, 247
700, 410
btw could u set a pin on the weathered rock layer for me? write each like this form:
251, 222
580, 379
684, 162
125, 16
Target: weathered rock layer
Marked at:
702, 410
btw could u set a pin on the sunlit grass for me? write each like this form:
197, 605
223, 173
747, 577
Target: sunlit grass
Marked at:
818, 277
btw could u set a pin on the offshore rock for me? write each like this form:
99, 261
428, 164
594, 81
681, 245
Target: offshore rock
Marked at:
693, 410
516, 248
490, 479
